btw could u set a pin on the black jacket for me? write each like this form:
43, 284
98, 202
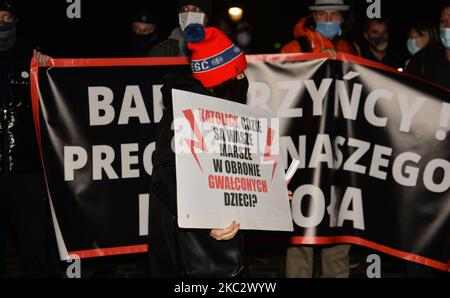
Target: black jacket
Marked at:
173, 46
432, 65
175, 252
19, 151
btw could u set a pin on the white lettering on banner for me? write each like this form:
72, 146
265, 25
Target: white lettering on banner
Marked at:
405, 168
378, 161
77, 158
352, 197
345, 103
316, 211
293, 88
259, 95
409, 178
349, 107
408, 112
132, 97
104, 157
369, 107
288, 144
101, 109
318, 96
100, 100
338, 156
351, 164
128, 160
430, 171
316, 208
317, 157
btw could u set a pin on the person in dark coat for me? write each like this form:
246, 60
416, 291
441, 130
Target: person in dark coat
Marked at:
189, 11
23, 203
144, 33
433, 62
176, 252
376, 46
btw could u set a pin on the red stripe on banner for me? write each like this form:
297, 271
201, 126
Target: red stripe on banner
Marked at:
34, 71
359, 60
362, 61
113, 251
287, 57
297, 240
167, 61
98, 62
34, 78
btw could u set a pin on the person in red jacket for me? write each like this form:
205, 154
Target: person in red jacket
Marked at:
321, 31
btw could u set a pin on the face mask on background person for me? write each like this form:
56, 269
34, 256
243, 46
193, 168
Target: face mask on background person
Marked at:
187, 18
141, 44
328, 29
444, 34
7, 35
379, 43
412, 46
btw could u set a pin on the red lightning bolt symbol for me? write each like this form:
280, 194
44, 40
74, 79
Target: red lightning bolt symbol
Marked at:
267, 155
200, 144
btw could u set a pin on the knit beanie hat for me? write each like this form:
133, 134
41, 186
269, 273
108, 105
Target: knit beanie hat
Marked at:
6, 5
145, 16
214, 58
205, 5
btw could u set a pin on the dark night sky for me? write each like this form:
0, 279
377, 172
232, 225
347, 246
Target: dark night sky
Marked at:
103, 29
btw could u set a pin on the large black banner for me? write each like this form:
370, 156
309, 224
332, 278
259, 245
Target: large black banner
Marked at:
372, 143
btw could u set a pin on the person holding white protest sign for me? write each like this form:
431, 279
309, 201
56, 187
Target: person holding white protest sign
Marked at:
217, 70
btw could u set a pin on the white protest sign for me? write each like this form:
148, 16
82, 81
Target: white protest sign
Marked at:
227, 165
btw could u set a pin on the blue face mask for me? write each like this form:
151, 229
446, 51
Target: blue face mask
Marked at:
412, 47
328, 29
445, 37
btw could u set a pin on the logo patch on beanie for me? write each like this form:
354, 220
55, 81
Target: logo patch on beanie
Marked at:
221, 59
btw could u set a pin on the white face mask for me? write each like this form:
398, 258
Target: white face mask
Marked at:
444, 34
187, 18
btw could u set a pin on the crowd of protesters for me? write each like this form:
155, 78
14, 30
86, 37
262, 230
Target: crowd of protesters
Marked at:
325, 29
